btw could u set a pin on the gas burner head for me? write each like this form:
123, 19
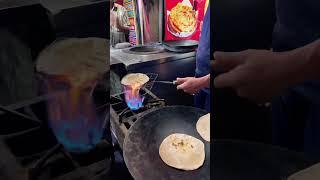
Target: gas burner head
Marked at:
134, 114
119, 104
133, 97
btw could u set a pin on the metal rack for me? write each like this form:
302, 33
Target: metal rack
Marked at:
152, 78
122, 117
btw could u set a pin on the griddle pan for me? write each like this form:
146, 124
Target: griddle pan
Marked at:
181, 45
141, 145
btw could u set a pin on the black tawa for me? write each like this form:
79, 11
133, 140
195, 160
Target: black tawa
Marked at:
182, 43
181, 46
141, 145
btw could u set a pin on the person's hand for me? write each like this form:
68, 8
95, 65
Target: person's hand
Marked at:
255, 74
189, 85
192, 85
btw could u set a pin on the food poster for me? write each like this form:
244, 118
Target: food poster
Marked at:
183, 19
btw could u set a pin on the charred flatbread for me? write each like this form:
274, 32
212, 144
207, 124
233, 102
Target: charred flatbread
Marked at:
203, 127
182, 151
135, 79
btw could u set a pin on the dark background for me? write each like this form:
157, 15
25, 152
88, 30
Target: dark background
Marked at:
240, 25
36, 28
30, 24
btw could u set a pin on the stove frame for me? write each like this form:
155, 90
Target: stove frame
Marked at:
122, 118
33, 163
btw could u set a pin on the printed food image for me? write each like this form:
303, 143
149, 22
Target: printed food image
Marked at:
182, 19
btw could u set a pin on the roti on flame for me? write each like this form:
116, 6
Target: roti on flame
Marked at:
182, 151
203, 127
137, 79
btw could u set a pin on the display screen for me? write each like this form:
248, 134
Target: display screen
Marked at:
183, 19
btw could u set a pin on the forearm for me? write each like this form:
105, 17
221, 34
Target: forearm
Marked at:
126, 28
205, 81
302, 64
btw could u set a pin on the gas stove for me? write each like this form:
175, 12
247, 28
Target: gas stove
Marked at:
30, 151
122, 117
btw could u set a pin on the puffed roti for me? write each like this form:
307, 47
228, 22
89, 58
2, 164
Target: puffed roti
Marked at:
182, 151
138, 79
80, 60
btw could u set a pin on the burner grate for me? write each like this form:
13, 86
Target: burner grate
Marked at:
122, 117
119, 105
30, 146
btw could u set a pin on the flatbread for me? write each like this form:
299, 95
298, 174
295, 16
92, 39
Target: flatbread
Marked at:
137, 79
182, 18
182, 151
203, 127
80, 60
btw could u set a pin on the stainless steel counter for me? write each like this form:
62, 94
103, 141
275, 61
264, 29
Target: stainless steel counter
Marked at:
133, 60
167, 65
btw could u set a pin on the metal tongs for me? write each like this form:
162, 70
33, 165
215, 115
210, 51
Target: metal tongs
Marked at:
167, 82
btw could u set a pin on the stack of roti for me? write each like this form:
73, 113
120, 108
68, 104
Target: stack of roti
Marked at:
80, 60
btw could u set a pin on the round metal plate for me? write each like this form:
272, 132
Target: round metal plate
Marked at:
182, 43
179, 50
144, 50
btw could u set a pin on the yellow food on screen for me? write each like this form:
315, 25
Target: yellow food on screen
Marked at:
183, 18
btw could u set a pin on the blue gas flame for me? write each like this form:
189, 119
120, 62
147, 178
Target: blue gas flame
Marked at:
77, 136
135, 103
